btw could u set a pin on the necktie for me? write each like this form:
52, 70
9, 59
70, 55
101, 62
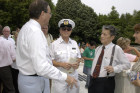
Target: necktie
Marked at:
98, 65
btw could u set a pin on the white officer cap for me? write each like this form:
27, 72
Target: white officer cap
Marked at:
66, 22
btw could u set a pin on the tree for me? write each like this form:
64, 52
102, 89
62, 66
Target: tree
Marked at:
84, 17
113, 17
15, 13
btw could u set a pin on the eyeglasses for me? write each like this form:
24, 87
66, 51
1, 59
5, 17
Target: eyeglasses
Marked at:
48, 12
137, 32
66, 28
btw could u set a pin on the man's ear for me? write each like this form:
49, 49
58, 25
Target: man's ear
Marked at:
42, 13
113, 37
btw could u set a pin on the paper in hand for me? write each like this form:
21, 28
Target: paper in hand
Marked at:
72, 61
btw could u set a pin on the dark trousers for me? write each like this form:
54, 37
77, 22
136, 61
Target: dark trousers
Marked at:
15, 79
6, 79
101, 85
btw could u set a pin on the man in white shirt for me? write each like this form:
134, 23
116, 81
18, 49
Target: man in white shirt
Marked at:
48, 36
33, 59
7, 36
7, 56
66, 56
102, 72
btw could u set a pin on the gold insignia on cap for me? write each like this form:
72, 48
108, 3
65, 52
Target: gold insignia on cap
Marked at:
66, 22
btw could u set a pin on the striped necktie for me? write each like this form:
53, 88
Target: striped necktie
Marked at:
98, 65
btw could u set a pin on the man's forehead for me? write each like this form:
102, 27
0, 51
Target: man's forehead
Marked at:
6, 29
105, 31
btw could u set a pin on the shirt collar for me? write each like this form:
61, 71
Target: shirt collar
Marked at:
62, 41
1, 37
107, 46
35, 23
5, 37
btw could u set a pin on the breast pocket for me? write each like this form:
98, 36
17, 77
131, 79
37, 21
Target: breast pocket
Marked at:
106, 61
73, 53
61, 54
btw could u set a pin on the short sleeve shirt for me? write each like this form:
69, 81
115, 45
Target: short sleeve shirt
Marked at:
89, 53
130, 57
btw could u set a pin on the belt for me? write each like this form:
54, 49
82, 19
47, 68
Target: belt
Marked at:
111, 77
32, 75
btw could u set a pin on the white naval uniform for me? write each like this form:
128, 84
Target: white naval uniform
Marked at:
61, 52
33, 58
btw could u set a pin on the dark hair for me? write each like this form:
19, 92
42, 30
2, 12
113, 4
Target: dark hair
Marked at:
111, 28
137, 27
92, 43
37, 7
0, 29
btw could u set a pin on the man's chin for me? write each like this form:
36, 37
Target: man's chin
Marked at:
102, 42
137, 42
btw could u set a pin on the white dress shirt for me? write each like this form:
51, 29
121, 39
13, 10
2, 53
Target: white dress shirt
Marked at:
49, 39
62, 51
10, 39
7, 52
13, 65
33, 53
120, 61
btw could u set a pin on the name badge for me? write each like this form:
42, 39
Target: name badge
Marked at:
73, 48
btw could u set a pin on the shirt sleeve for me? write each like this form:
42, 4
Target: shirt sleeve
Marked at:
130, 57
79, 53
122, 62
85, 53
40, 58
12, 51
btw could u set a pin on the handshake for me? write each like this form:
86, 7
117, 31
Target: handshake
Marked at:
73, 64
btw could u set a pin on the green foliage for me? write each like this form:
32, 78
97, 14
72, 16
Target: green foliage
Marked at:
14, 13
84, 17
123, 23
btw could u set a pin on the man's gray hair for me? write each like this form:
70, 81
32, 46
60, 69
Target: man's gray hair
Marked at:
7, 27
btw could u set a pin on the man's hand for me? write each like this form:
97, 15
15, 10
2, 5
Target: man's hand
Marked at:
129, 48
109, 69
66, 66
137, 81
71, 81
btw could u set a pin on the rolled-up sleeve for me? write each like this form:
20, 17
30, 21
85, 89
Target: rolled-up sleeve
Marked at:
121, 61
79, 54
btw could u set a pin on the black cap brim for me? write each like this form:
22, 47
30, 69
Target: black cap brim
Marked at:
62, 25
